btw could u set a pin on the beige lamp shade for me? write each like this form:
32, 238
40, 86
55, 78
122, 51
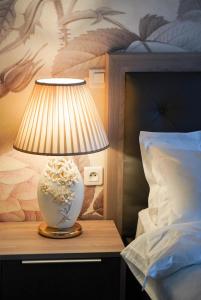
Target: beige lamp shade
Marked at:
61, 119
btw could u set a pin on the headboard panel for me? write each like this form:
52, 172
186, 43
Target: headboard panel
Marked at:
153, 92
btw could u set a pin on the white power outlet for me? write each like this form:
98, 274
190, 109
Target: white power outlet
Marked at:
93, 175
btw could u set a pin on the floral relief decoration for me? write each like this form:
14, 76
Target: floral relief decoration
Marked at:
63, 174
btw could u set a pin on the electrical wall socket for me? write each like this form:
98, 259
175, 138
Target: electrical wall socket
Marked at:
93, 175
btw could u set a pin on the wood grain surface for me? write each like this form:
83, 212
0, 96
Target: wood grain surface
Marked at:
21, 240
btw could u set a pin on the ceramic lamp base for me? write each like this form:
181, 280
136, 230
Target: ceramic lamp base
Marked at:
56, 233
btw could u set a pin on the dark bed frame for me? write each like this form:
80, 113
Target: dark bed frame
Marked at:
151, 92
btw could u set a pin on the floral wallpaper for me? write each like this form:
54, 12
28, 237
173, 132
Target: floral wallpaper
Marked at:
67, 38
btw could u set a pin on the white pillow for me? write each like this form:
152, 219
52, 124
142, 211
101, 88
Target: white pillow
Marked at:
172, 166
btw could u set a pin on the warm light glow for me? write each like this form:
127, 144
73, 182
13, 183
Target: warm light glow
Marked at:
60, 81
61, 119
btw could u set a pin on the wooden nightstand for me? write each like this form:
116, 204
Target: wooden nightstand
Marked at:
86, 267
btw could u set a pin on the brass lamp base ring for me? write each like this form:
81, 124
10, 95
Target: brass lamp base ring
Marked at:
56, 233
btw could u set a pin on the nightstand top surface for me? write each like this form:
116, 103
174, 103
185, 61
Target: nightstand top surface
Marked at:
21, 239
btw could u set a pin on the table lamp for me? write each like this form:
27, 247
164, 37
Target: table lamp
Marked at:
60, 120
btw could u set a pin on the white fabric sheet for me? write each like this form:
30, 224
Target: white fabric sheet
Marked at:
183, 284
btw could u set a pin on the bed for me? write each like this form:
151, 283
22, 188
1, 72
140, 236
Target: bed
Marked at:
151, 93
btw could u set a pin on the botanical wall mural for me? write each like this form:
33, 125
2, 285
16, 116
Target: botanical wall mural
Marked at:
76, 55
67, 38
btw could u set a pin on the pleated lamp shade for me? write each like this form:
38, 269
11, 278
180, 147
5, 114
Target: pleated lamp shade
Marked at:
61, 119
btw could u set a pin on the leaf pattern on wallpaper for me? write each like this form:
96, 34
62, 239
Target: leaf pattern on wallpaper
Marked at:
149, 23
31, 20
82, 161
17, 76
98, 203
63, 31
183, 34
95, 210
7, 17
88, 198
188, 5
10, 207
5, 190
81, 69
193, 15
16, 177
97, 15
87, 51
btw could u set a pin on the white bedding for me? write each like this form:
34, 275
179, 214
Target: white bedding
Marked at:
172, 167
166, 256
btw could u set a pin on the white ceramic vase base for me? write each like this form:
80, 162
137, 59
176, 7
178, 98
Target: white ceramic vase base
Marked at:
60, 199
56, 233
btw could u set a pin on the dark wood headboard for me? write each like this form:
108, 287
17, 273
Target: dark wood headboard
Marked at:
151, 92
